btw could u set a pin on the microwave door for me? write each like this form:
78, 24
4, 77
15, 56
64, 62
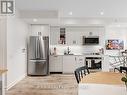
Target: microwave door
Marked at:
90, 40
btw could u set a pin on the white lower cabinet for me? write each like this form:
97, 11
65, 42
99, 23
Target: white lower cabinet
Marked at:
80, 61
76, 39
69, 64
65, 63
55, 64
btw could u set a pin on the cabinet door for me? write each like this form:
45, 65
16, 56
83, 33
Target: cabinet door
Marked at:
79, 61
79, 37
51, 64
59, 64
55, 64
35, 29
69, 37
54, 35
73, 36
43, 29
69, 64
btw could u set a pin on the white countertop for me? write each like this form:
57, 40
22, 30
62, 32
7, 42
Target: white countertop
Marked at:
88, 55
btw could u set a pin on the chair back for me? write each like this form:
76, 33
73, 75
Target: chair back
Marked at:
81, 72
123, 69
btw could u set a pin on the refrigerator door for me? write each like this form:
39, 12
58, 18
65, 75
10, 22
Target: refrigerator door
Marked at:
32, 45
38, 60
44, 47
37, 67
44, 52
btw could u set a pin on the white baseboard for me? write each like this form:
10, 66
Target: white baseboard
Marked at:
15, 82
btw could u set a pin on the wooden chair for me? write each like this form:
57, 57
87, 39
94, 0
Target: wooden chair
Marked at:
123, 69
81, 72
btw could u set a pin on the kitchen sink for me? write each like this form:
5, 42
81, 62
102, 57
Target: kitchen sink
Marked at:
69, 54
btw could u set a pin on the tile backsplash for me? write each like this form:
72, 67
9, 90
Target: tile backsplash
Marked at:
74, 49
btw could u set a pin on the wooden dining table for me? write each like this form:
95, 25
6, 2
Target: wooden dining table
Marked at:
102, 83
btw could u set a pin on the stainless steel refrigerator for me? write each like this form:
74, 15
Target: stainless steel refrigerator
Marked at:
38, 55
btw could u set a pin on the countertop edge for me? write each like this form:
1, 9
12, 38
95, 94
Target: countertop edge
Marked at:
79, 55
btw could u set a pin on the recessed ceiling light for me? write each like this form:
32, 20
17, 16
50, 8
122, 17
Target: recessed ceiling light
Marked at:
34, 20
101, 13
70, 13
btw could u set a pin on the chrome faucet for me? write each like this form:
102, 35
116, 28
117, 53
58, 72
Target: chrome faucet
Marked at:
68, 50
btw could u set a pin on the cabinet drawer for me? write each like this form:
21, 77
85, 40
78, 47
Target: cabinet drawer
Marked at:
80, 61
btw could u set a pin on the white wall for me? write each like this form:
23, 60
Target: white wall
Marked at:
16, 58
3, 43
116, 32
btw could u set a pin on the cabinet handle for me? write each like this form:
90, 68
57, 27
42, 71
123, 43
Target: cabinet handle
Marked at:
74, 42
80, 59
75, 58
55, 56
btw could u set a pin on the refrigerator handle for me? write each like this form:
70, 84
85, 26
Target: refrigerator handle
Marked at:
36, 49
39, 49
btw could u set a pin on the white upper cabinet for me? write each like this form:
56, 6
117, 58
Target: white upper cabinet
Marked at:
73, 36
96, 31
54, 35
93, 31
58, 35
43, 29
35, 29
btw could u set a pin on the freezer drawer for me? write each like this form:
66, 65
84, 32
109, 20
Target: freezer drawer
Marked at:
37, 68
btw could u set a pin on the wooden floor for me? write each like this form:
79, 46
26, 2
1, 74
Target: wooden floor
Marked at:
56, 84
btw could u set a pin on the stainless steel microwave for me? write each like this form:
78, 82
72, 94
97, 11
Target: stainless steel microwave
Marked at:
91, 40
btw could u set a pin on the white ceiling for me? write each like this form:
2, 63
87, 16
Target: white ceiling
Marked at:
56, 10
79, 8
